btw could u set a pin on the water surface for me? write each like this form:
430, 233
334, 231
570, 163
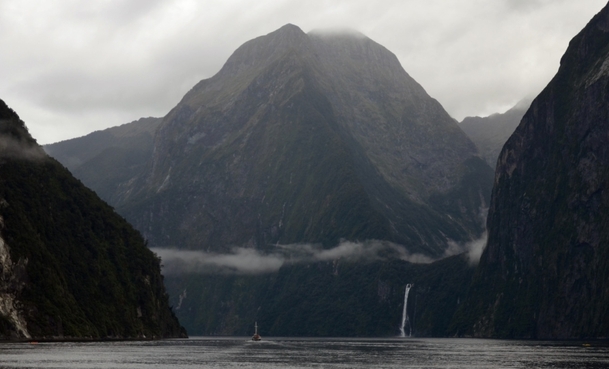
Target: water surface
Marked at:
239, 352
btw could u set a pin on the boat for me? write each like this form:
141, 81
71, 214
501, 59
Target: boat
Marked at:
256, 336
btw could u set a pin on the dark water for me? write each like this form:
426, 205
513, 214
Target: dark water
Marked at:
307, 353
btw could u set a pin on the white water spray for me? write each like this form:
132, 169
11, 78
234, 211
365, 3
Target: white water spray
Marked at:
405, 314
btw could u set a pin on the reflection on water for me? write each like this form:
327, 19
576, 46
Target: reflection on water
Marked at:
207, 352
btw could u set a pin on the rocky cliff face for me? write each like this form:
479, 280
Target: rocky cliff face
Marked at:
492, 132
70, 267
12, 322
545, 272
309, 138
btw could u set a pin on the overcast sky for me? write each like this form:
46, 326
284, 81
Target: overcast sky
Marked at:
69, 67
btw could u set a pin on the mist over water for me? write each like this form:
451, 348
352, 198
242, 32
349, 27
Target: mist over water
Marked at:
240, 352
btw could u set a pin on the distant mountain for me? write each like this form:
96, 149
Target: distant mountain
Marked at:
309, 138
70, 267
103, 160
545, 271
491, 133
304, 140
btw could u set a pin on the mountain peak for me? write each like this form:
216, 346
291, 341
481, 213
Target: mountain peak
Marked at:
253, 56
286, 36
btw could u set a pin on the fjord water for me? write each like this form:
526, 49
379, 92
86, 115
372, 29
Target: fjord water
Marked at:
239, 352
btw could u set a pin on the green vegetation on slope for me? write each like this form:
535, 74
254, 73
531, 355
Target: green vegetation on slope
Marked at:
88, 273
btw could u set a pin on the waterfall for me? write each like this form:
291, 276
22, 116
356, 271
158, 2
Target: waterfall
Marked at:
405, 314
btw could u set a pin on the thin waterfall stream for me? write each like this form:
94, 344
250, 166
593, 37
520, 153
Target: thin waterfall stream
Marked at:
405, 314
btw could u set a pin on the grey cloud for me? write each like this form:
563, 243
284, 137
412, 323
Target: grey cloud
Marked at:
250, 261
240, 261
473, 249
80, 92
370, 250
127, 11
528, 5
78, 66
10, 147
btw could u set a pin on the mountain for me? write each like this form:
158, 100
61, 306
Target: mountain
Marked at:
305, 142
545, 270
103, 160
490, 133
70, 267
309, 138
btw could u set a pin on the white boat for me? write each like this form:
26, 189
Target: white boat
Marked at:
256, 336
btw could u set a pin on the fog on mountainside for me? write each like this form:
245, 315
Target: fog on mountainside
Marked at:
251, 261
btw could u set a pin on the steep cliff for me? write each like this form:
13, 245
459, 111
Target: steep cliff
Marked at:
70, 267
545, 271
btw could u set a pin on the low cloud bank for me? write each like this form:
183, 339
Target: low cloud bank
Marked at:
250, 261
472, 249
240, 261
13, 148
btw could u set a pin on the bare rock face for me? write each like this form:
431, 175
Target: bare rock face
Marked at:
545, 271
12, 281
